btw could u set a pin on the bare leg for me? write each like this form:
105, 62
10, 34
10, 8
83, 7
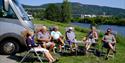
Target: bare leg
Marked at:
44, 45
108, 50
61, 40
111, 46
49, 57
71, 47
62, 43
88, 46
51, 46
60, 48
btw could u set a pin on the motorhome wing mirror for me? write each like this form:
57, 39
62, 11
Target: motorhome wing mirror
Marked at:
30, 17
6, 5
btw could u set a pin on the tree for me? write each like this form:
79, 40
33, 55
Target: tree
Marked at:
52, 12
66, 12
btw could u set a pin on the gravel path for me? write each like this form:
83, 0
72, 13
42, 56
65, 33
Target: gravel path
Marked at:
6, 59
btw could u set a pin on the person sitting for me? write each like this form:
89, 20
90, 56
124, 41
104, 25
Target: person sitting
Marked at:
31, 43
70, 37
92, 38
109, 41
57, 37
43, 36
87, 43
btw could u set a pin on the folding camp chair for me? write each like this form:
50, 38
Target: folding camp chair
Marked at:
32, 50
55, 49
106, 46
93, 46
75, 48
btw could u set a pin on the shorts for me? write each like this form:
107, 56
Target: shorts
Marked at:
92, 40
57, 41
70, 42
43, 50
105, 45
48, 44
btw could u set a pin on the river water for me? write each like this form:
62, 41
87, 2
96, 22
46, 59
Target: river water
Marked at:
116, 29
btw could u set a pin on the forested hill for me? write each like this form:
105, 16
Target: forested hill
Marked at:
78, 8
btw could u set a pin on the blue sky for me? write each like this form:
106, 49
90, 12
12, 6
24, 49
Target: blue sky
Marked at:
110, 3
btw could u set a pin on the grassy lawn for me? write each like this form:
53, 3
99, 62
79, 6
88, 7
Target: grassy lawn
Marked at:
90, 58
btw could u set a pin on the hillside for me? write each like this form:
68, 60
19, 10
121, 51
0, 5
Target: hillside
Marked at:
78, 8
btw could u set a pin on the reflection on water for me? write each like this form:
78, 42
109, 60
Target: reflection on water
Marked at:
116, 29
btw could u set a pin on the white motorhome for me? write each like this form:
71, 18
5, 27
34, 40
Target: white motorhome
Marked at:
13, 21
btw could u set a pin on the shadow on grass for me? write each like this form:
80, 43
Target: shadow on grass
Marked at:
27, 59
81, 52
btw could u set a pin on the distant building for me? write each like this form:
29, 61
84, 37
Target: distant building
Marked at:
105, 15
88, 16
93, 15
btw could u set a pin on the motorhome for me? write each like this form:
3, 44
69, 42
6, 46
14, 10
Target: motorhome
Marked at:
13, 21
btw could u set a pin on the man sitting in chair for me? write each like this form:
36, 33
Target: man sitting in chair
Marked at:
30, 42
43, 36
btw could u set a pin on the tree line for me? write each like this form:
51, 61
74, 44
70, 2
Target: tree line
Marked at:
54, 12
64, 13
101, 20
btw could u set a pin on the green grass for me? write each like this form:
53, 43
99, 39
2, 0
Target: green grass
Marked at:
80, 32
90, 58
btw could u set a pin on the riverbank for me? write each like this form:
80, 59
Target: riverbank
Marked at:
80, 33
116, 29
101, 21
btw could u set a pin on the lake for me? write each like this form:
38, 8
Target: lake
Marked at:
116, 29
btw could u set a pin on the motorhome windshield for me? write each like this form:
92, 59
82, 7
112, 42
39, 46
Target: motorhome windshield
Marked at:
21, 10
7, 14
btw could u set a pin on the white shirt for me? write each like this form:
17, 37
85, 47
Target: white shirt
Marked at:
56, 34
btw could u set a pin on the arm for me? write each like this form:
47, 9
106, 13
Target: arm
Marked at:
28, 42
103, 39
43, 40
114, 39
96, 35
66, 35
61, 36
74, 35
39, 38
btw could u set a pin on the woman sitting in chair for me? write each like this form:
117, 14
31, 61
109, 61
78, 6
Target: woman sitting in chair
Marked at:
30, 42
70, 38
109, 41
57, 37
91, 38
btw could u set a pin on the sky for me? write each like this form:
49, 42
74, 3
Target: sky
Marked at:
110, 3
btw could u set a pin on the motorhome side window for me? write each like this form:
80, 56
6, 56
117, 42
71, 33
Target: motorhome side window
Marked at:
7, 14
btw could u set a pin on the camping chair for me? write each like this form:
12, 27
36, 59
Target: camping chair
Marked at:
55, 49
93, 46
104, 45
75, 48
32, 50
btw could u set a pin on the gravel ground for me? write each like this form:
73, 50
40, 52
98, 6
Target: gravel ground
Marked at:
6, 59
